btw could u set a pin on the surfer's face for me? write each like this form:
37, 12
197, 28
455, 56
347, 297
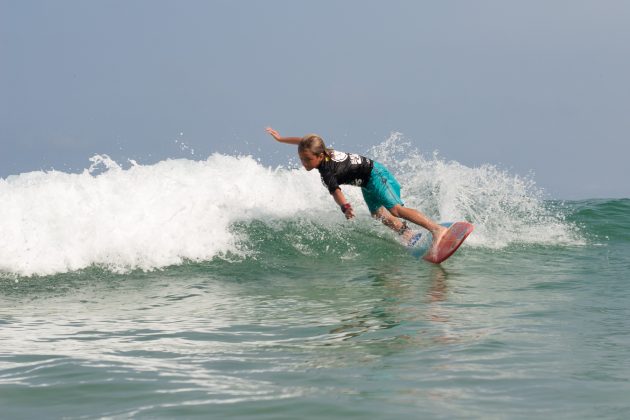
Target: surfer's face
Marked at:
310, 160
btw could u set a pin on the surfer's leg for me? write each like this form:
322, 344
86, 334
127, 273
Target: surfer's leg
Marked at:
382, 195
392, 222
418, 218
388, 220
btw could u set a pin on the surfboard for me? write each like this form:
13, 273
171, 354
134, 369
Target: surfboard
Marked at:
456, 234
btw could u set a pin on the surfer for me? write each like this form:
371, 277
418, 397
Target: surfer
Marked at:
380, 189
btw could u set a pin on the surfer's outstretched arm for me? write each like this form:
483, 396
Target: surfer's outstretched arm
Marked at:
278, 137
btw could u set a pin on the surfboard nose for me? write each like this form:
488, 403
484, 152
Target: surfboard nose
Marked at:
450, 242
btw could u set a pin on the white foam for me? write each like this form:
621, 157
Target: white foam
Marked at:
143, 217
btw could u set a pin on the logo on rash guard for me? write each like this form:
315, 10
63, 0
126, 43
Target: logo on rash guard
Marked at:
341, 156
355, 159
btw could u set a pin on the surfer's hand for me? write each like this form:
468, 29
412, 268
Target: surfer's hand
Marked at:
347, 210
273, 133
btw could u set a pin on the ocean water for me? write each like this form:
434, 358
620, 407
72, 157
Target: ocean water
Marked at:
223, 288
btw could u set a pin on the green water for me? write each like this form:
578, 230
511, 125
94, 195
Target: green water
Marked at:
314, 325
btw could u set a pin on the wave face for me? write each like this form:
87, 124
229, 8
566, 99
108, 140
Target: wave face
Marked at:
149, 217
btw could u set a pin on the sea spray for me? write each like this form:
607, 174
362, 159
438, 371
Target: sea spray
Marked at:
505, 208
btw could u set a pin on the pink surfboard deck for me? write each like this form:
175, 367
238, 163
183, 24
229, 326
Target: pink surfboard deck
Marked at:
452, 239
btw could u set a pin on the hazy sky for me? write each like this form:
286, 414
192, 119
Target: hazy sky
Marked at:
538, 86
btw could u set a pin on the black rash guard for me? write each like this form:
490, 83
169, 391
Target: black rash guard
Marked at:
344, 168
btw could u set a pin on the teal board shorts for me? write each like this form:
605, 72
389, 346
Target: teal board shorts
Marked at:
382, 190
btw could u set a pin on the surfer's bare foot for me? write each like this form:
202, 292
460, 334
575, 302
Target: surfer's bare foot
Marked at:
438, 234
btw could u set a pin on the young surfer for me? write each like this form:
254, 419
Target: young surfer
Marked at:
380, 189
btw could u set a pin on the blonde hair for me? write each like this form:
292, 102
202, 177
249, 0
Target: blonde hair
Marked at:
314, 144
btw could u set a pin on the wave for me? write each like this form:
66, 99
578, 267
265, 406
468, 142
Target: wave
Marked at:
152, 216
602, 219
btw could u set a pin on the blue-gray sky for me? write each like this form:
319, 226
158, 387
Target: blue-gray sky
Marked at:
538, 86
